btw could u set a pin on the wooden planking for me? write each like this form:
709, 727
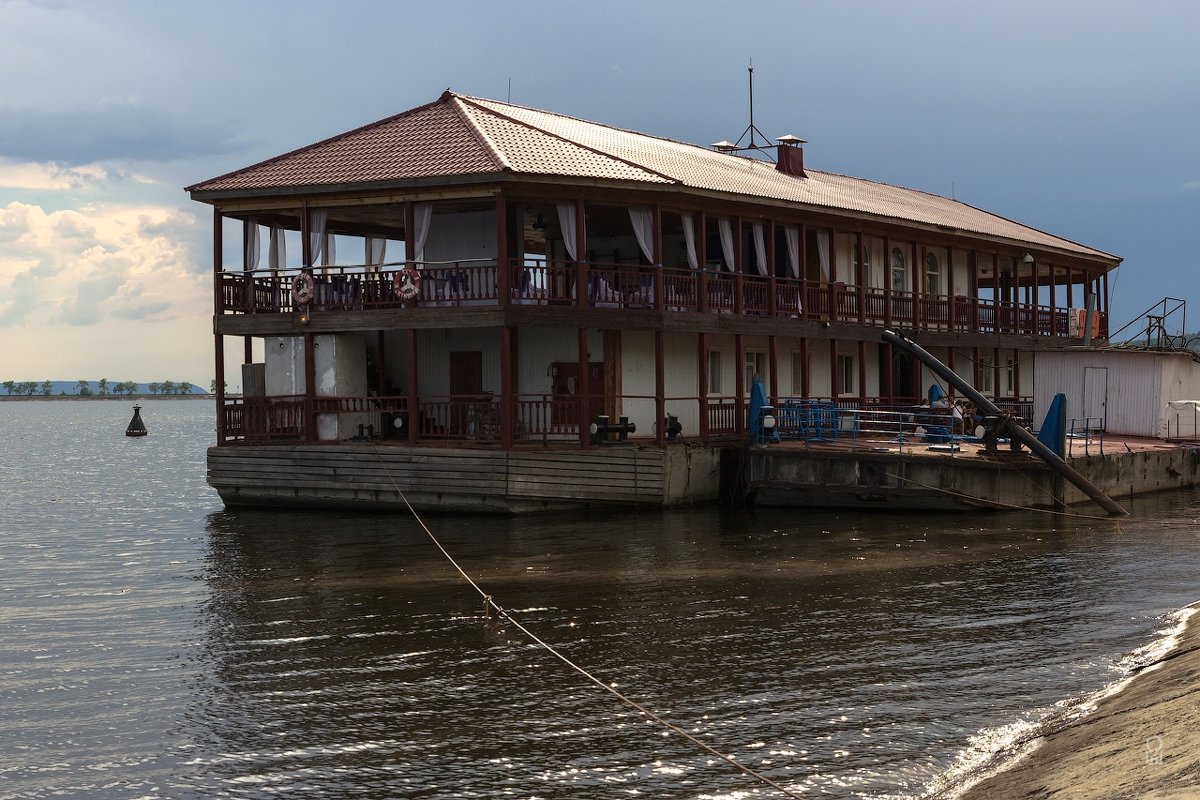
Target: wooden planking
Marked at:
621, 475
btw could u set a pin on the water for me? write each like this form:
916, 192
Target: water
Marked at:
153, 645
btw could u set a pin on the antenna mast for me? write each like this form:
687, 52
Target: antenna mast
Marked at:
751, 128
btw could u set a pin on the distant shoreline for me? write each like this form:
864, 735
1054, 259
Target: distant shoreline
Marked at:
43, 397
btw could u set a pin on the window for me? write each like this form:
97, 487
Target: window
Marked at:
865, 251
899, 271
756, 366
714, 371
797, 374
933, 274
985, 374
847, 374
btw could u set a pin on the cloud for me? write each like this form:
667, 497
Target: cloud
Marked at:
104, 262
113, 131
1191, 186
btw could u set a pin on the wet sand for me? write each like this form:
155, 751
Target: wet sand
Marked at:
1143, 742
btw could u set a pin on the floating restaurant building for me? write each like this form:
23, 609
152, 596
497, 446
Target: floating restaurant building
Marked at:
496, 308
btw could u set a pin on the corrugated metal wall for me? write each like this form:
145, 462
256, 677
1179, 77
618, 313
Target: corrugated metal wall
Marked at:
1134, 400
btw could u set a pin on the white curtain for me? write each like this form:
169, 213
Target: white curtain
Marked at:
726, 229
643, 228
316, 234
566, 223
422, 214
277, 252
792, 234
823, 252
689, 239
375, 249
252, 246
760, 248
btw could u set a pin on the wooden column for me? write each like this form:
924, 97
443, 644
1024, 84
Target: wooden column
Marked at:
1016, 368
507, 398
702, 276
739, 260
1104, 305
860, 278
585, 388
973, 288
773, 367
805, 388
862, 371
887, 285
996, 373
772, 288
889, 374
504, 267
804, 304
950, 287
659, 278
739, 382
413, 403
917, 285
975, 370
410, 224
306, 254
381, 360
310, 388
835, 388
581, 263
1070, 288
702, 382
218, 339
660, 389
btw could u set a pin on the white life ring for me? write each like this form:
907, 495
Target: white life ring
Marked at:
407, 283
303, 288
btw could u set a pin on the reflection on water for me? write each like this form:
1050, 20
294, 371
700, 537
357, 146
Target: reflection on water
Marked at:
200, 653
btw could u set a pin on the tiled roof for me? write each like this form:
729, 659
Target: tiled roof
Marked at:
461, 136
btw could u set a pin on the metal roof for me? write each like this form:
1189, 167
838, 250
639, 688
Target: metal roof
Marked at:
460, 136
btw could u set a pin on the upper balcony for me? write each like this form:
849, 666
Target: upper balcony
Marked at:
555, 283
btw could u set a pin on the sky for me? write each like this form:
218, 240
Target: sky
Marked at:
1078, 118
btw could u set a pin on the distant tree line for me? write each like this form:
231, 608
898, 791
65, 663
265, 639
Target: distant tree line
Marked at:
103, 388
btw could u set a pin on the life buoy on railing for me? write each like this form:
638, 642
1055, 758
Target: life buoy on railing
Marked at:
303, 288
407, 283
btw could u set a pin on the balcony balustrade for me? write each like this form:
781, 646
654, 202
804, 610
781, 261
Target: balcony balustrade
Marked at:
635, 287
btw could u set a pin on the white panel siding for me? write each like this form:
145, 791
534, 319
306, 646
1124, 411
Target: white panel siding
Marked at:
1134, 380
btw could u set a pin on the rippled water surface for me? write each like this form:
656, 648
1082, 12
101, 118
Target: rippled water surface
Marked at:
154, 645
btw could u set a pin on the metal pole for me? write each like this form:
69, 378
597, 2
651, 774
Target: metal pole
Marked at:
1025, 437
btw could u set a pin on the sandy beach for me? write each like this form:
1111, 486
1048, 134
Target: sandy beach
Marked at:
1142, 742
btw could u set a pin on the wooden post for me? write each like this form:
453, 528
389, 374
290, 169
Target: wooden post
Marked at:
660, 390
917, 286
413, 401
835, 387
218, 339
950, 287
773, 367
504, 267
410, 224
1104, 304
805, 389
1070, 289
585, 390
739, 382
581, 264
739, 260
862, 371
860, 278
975, 370
973, 288
1016, 368
996, 373
659, 282
507, 400
772, 290
306, 255
888, 370
702, 382
380, 369
887, 284
702, 277
310, 387
804, 304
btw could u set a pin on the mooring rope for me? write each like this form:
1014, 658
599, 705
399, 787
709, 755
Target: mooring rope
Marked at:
489, 602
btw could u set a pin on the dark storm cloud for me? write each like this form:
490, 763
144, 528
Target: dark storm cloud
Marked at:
108, 132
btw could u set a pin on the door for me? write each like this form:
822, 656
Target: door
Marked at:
466, 389
1095, 397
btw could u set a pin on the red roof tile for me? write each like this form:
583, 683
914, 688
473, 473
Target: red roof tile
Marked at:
461, 136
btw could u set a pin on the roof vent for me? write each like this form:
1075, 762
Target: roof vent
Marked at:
789, 155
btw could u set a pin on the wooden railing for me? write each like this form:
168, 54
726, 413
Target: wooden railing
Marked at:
634, 286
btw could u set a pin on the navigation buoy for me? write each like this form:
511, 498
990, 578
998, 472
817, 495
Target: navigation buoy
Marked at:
136, 426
